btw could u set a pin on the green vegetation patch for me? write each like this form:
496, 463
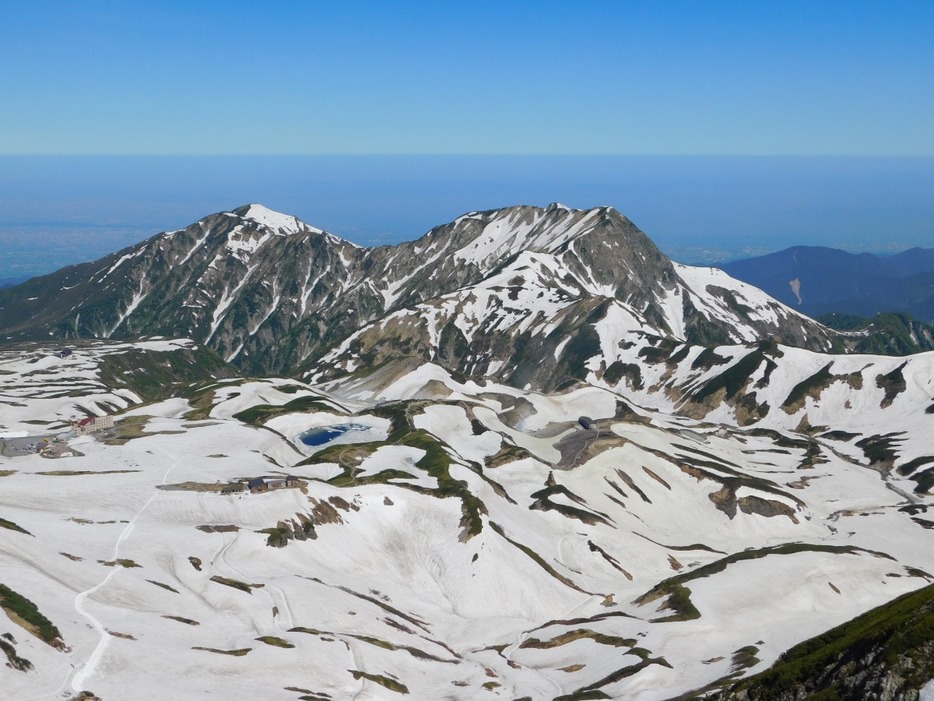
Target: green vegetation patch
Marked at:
224, 528
9, 525
912, 465
590, 691
261, 413
707, 358
925, 481
191, 487
436, 461
583, 696
26, 614
274, 641
129, 428
889, 333
236, 584
154, 375
618, 370
507, 454
387, 682
745, 657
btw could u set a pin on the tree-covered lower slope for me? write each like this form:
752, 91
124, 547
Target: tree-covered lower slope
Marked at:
886, 654
817, 280
890, 333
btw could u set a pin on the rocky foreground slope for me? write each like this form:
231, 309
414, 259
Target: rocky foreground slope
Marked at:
543, 488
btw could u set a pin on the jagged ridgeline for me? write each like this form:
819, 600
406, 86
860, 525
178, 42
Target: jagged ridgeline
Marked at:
523, 294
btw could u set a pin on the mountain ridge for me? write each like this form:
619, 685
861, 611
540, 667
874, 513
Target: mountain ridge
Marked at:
819, 280
271, 302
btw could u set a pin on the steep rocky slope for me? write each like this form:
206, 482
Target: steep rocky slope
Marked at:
272, 294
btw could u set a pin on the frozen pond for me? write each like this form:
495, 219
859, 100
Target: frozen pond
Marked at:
310, 432
320, 435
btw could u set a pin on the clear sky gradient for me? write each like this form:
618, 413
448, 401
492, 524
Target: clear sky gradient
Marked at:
320, 77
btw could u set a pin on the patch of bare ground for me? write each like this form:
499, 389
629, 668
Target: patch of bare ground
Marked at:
122, 636
78, 473
192, 487
385, 681
124, 562
609, 558
582, 445
726, 501
239, 652
323, 512
236, 584
182, 619
218, 529
163, 586
14, 661
578, 634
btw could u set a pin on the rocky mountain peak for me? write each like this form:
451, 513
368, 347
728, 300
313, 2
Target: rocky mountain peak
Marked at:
273, 294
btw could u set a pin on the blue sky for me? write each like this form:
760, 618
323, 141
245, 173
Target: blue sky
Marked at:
322, 77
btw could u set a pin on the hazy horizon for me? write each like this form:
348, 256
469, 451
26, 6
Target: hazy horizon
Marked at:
831, 95
696, 209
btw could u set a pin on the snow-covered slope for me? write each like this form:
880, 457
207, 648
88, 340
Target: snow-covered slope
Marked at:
530, 458
478, 542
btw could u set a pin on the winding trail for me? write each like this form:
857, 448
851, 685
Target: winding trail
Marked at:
86, 670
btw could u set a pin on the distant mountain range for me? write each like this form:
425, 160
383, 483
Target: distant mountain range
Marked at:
12, 281
818, 281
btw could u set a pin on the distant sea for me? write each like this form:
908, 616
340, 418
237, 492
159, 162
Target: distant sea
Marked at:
60, 210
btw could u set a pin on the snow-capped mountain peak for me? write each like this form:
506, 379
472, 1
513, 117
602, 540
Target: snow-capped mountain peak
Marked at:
275, 221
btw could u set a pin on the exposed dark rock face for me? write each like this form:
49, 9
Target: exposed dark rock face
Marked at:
271, 294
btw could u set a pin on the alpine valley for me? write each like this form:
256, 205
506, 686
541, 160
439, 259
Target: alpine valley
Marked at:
525, 456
